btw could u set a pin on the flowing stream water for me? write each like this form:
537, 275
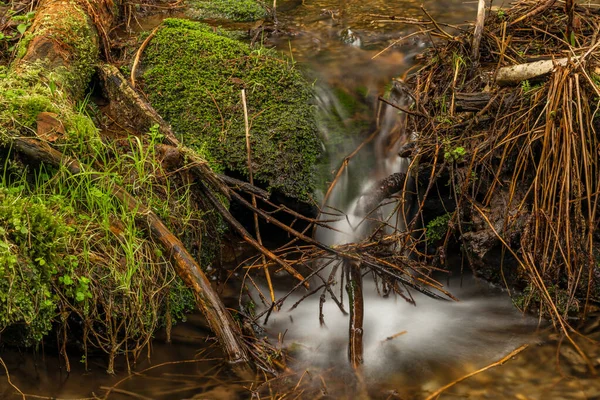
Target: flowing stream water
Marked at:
410, 349
404, 344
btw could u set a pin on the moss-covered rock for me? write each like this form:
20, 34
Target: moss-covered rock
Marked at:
194, 78
233, 10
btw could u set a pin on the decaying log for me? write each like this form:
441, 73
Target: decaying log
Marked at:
482, 101
66, 37
187, 268
472, 101
355, 299
522, 72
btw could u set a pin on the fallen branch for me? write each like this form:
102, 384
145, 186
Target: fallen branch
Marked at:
10, 382
244, 233
127, 105
139, 53
535, 11
381, 191
244, 186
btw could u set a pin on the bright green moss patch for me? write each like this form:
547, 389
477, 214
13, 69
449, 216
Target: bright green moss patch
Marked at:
194, 79
33, 243
32, 91
233, 10
69, 248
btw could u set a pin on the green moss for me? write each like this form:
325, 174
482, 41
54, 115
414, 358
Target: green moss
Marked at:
32, 91
33, 243
68, 247
194, 78
233, 10
531, 299
437, 228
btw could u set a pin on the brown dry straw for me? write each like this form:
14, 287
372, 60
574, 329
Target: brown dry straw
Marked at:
521, 159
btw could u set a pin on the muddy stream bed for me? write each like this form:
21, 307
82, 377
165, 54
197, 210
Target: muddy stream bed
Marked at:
410, 351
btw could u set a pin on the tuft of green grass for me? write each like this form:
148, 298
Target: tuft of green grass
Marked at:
70, 248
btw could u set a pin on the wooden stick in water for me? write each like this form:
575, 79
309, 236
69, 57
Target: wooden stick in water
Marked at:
355, 298
500, 362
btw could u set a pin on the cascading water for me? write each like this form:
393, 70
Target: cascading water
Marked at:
428, 338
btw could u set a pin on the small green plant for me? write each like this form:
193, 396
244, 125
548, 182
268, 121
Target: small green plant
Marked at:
437, 228
527, 87
456, 154
595, 78
572, 39
20, 24
501, 14
24, 21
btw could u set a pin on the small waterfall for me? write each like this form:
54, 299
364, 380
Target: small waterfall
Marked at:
398, 336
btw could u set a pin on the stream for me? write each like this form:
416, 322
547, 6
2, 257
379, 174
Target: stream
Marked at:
410, 350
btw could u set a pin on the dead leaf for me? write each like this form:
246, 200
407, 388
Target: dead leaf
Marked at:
49, 127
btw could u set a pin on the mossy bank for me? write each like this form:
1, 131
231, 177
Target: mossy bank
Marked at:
71, 254
194, 78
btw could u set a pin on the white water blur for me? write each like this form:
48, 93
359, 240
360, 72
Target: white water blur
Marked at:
478, 329
482, 327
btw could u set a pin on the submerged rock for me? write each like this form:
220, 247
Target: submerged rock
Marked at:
194, 77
